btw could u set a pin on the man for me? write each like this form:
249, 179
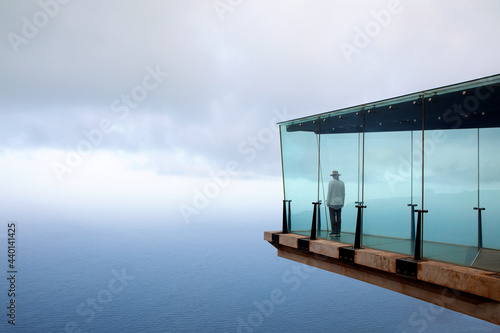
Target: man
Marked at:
335, 201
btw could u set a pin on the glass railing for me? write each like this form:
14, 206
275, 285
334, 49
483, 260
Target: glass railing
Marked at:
432, 154
300, 174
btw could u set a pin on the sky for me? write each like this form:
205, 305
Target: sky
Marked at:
166, 111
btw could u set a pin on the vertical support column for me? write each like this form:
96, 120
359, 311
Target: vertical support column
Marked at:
359, 226
289, 216
319, 218
412, 224
479, 227
285, 219
418, 241
314, 220
360, 206
479, 208
356, 203
417, 254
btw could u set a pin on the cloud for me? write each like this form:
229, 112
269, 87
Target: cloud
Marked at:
225, 76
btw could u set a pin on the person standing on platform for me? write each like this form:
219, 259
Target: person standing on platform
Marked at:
335, 201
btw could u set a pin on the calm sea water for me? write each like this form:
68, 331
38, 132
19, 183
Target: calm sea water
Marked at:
194, 278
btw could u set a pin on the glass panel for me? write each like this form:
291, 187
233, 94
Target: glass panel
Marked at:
416, 182
489, 175
340, 152
388, 175
391, 167
299, 144
451, 158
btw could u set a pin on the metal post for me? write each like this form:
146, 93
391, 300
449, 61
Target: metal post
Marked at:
285, 219
356, 205
313, 224
319, 218
289, 216
412, 224
359, 226
479, 227
418, 241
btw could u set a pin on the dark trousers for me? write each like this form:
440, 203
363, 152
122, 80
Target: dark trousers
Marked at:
335, 219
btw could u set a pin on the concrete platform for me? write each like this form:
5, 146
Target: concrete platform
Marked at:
472, 291
488, 259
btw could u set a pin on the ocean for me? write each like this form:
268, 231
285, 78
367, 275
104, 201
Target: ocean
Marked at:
201, 277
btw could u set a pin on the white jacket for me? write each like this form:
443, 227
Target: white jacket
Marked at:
336, 194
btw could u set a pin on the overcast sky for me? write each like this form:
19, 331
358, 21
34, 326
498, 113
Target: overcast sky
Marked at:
155, 97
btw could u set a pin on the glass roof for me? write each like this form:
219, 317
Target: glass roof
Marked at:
471, 104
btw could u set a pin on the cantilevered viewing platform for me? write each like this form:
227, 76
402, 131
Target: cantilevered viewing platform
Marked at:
471, 291
420, 199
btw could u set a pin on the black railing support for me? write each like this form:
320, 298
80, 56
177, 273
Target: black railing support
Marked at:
359, 226
289, 216
412, 224
314, 220
357, 203
418, 241
319, 218
479, 227
285, 219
